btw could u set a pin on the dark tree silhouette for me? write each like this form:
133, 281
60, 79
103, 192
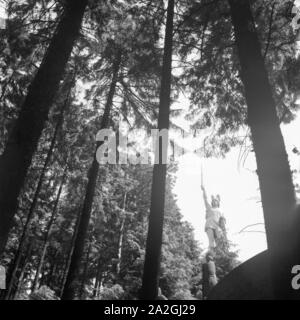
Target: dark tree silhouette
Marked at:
70, 286
275, 179
31, 212
48, 232
155, 231
23, 139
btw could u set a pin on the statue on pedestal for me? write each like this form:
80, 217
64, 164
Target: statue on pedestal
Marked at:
215, 221
215, 228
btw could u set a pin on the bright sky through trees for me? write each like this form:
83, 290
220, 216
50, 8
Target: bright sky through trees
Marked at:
238, 186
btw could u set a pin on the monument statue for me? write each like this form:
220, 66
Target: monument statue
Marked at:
215, 228
215, 220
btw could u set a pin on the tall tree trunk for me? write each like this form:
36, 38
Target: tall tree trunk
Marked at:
50, 278
98, 279
48, 232
85, 269
30, 215
155, 230
276, 186
23, 269
121, 236
23, 140
21, 279
70, 254
69, 289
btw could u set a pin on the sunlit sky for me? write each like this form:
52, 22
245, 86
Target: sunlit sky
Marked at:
237, 184
238, 187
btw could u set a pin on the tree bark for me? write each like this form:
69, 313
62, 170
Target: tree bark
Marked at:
22, 271
98, 279
50, 279
70, 253
275, 179
149, 289
121, 237
84, 274
23, 140
69, 289
48, 232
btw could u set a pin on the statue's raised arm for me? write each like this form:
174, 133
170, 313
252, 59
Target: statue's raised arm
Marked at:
207, 204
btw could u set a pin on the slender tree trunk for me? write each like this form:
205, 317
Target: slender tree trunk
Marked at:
23, 140
60, 273
30, 215
69, 258
20, 282
85, 269
69, 290
23, 269
48, 232
276, 186
98, 279
99, 285
121, 237
50, 279
155, 230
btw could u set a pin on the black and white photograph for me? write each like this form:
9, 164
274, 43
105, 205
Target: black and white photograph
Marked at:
149, 151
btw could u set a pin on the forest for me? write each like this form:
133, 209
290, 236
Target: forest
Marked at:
74, 228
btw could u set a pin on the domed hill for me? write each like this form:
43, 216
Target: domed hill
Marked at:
249, 281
